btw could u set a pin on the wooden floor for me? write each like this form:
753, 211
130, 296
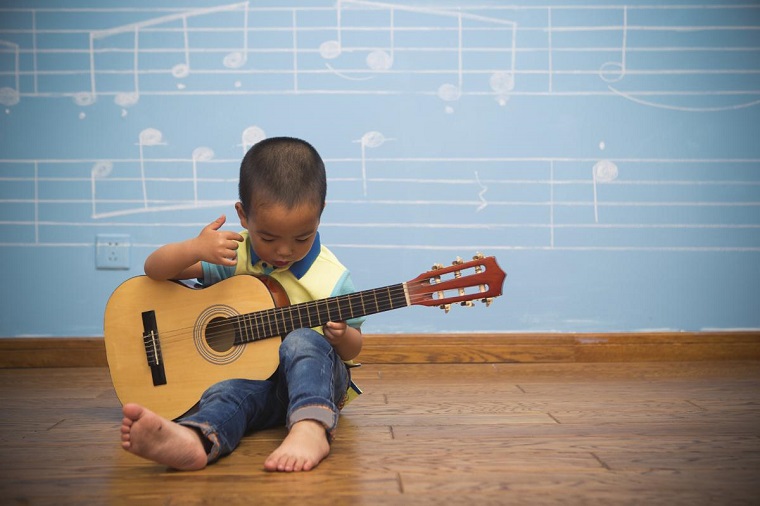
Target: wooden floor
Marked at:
635, 433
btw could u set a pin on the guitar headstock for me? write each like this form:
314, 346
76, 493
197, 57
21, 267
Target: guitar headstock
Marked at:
462, 282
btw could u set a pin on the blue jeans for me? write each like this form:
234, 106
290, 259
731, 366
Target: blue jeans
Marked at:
310, 384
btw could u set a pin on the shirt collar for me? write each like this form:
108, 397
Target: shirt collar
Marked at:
299, 268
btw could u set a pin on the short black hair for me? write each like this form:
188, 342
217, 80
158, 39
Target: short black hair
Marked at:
282, 170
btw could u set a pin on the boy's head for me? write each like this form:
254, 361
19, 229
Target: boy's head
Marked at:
284, 171
282, 194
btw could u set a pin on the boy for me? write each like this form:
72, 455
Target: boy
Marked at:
282, 194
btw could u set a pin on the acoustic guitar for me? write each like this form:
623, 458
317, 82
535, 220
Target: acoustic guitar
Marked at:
166, 343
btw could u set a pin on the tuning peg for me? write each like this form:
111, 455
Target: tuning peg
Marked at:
478, 256
467, 303
487, 301
446, 307
458, 261
437, 266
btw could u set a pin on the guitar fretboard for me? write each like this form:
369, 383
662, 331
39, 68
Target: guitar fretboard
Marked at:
281, 321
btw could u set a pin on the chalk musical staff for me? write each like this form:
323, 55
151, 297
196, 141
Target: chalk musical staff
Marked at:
695, 58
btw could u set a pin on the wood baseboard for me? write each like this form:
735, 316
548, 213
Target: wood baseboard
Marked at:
453, 348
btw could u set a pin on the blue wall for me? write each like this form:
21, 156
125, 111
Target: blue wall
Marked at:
607, 155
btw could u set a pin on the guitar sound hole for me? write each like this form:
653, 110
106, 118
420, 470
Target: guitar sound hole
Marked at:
220, 334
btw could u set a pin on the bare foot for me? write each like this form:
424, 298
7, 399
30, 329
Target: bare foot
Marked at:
303, 448
148, 435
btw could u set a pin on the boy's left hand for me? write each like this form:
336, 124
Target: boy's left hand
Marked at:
334, 331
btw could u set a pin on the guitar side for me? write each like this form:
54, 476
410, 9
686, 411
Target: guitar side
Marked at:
190, 361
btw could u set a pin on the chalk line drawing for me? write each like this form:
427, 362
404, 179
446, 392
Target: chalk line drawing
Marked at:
481, 193
690, 58
201, 154
614, 71
9, 95
380, 60
148, 137
369, 140
104, 205
603, 171
235, 59
538, 203
251, 136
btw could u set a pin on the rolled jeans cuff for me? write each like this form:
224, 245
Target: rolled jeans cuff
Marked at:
319, 413
213, 448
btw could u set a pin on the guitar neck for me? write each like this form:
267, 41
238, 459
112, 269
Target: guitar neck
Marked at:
281, 321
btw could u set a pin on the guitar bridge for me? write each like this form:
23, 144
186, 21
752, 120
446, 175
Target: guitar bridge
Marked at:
153, 348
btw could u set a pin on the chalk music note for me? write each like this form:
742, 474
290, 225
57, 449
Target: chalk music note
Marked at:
148, 137
237, 59
501, 82
379, 59
181, 70
369, 140
614, 71
130, 98
251, 136
331, 49
200, 154
603, 171
100, 170
10, 96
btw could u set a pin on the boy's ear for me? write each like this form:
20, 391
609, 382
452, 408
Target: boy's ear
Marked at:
241, 215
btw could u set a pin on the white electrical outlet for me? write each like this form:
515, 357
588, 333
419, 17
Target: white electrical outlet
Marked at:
112, 251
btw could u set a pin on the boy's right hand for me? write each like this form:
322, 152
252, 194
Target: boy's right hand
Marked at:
218, 246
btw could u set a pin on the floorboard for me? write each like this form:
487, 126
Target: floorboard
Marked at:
575, 433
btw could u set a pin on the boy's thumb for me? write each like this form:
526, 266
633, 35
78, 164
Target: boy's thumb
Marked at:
217, 223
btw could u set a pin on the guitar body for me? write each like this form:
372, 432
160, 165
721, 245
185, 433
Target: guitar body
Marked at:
191, 359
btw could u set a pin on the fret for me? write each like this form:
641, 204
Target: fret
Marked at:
268, 322
273, 317
258, 325
300, 318
241, 331
359, 307
341, 303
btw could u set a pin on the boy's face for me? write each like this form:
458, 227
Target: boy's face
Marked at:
281, 236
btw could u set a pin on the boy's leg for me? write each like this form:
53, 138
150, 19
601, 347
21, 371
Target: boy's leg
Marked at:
229, 409
314, 380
